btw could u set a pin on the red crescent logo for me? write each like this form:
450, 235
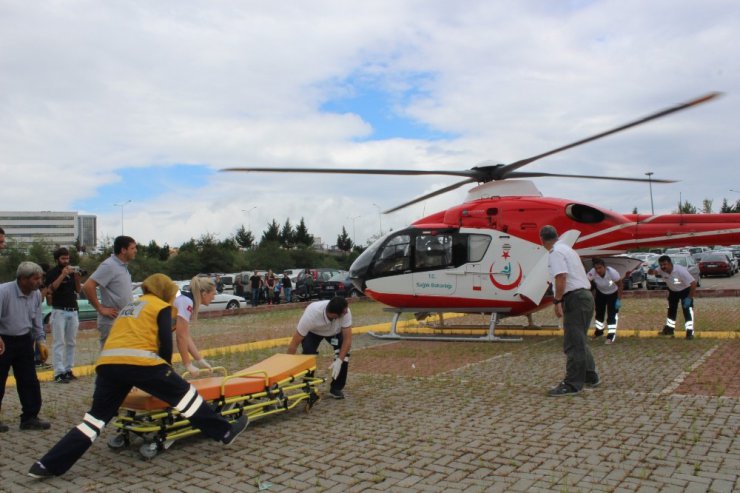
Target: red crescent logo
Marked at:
506, 287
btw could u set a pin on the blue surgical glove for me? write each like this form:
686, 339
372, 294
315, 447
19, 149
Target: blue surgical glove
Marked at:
618, 304
687, 302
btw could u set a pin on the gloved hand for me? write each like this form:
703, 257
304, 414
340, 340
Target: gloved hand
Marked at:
687, 302
192, 369
618, 304
335, 368
203, 364
43, 351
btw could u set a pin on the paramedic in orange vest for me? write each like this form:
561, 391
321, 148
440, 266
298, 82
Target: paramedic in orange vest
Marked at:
138, 352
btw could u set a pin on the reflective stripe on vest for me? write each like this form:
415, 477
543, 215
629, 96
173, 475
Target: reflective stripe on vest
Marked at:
137, 353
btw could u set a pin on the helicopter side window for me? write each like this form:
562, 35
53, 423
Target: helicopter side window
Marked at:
394, 258
584, 213
477, 246
432, 251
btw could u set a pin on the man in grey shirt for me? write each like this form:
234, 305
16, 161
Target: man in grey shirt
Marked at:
114, 281
20, 315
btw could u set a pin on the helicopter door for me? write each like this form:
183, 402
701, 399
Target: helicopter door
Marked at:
433, 259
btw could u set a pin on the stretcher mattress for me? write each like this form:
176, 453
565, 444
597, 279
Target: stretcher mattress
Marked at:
275, 369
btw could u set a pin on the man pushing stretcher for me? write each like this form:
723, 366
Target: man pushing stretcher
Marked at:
138, 353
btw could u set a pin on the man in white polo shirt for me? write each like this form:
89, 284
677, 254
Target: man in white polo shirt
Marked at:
608, 298
330, 320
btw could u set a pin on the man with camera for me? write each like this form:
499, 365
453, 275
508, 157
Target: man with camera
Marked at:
63, 284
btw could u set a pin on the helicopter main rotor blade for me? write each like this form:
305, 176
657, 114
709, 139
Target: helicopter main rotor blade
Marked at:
524, 174
356, 171
505, 171
432, 194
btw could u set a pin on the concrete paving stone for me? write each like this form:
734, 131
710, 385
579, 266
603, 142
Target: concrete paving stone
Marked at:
696, 488
721, 486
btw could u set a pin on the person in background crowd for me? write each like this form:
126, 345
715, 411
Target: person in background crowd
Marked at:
287, 287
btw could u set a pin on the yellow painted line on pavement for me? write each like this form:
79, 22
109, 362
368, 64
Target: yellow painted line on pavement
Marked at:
405, 327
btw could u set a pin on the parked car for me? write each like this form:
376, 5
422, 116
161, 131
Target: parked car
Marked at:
338, 285
648, 259
715, 264
318, 275
635, 279
222, 301
677, 259
730, 258
697, 252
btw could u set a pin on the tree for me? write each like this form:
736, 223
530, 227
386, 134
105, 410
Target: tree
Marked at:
271, 234
685, 208
244, 238
301, 234
344, 242
287, 235
706, 207
40, 253
726, 207
634, 210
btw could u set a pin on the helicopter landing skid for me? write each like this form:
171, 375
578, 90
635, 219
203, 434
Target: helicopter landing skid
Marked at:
489, 337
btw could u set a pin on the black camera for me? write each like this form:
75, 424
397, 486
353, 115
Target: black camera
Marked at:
77, 269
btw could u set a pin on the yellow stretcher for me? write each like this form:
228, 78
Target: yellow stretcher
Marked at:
274, 385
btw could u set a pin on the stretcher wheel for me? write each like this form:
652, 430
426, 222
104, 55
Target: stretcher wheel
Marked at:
117, 441
148, 450
313, 398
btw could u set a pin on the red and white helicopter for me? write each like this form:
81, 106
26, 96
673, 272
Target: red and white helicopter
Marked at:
484, 255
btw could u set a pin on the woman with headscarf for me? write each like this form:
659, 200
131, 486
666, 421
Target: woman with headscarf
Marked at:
138, 352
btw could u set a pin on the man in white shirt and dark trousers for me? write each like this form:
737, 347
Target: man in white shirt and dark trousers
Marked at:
681, 288
575, 304
330, 320
608, 298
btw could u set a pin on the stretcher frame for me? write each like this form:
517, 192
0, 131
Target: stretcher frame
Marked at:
160, 428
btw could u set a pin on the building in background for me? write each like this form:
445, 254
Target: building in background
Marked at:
22, 228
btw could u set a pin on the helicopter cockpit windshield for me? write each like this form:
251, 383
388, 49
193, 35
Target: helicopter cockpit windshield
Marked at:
416, 250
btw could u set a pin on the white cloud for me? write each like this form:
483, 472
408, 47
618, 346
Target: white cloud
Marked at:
90, 88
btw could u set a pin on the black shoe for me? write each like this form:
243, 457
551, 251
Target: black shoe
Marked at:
3, 427
667, 331
42, 366
593, 384
610, 338
561, 390
689, 334
38, 471
70, 376
598, 333
35, 424
61, 378
337, 394
236, 428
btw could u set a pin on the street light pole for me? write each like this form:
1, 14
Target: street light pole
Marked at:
380, 220
650, 182
121, 205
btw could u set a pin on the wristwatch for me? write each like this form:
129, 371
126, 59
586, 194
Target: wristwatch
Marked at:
556, 301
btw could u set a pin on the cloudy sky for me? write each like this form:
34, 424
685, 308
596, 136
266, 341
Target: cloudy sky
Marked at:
106, 102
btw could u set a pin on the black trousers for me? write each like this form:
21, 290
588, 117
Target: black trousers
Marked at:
578, 308
112, 385
674, 298
19, 356
606, 303
310, 345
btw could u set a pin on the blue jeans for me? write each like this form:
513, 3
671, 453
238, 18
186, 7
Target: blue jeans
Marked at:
287, 292
255, 296
64, 327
